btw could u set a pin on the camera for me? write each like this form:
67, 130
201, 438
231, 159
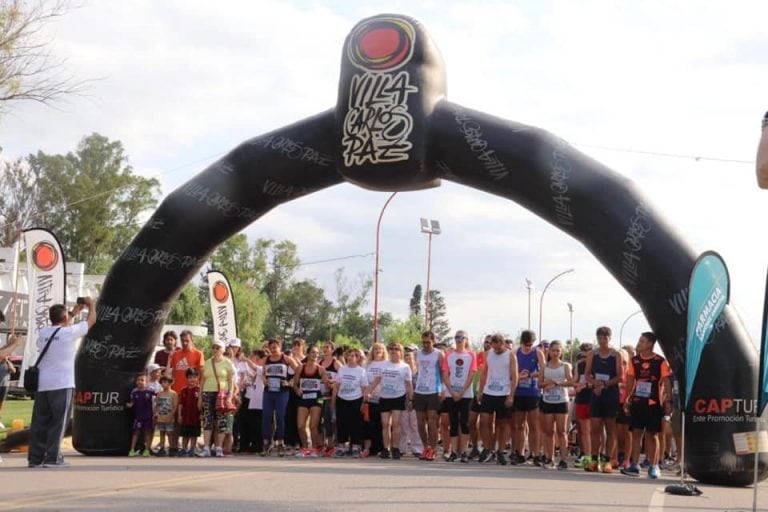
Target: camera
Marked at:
81, 300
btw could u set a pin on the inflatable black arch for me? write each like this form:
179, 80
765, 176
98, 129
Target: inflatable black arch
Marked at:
393, 130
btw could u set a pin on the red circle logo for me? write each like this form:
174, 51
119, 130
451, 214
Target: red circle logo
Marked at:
381, 44
220, 291
45, 256
459, 362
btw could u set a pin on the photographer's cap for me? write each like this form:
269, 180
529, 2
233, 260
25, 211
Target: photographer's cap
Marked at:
235, 342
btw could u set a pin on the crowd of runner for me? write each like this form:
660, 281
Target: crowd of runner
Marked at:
502, 404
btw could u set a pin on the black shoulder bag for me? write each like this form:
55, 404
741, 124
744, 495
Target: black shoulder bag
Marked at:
32, 374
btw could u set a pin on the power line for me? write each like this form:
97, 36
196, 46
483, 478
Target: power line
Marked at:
696, 158
669, 155
364, 255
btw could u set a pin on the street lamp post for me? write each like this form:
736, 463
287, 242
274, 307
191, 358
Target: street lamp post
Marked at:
570, 311
376, 273
431, 227
621, 331
541, 300
529, 285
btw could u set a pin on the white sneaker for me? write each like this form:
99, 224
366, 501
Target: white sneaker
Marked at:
205, 452
219, 452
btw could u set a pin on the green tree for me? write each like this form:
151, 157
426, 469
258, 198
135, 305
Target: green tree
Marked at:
283, 260
188, 309
404, 331
415, 305
242, 262
28, 71
92, 199
18, 200
438, 315
252, 309
305, 308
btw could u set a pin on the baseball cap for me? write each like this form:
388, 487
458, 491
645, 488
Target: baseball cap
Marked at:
235, 342
152, 367
217, 343
411, 348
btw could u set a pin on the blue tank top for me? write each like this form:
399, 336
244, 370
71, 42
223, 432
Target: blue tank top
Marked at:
528, 386
605, 369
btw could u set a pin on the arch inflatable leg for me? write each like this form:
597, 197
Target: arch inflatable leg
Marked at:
607, 213
169, 250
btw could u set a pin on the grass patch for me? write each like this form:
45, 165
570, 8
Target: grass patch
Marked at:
15, 409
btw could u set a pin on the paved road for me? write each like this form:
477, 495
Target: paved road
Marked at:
276, 485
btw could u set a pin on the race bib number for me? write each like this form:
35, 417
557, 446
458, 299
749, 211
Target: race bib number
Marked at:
495, 386
274, 384
554, 394
643, 389
388, 389
525, 383
602, 377
308, 396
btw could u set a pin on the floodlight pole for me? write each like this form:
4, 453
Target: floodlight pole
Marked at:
431, 227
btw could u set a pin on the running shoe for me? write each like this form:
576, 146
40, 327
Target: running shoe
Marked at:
339, 452
485, 456
145, 453
160, 452
64, 464
355, 452
539, 460
453, 457
364, 454
592, 466
314, 453
205, 452
474, 453
517, 459
632, 470
653, 472
384, 454
464, 458
582, 461
562, 465
396, 453
446, 455
607, 467
219, 452
190, 452
547, 463
501, 459
281, 450
330, 451
133, 453
429, 454
645, 464
301, 453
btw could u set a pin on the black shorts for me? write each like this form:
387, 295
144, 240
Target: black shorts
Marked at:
392, 404
561, 408
622, 418
475, 407
491, 404
604, 409
646, 417
308, 404
189, 430
525, 403
445, 406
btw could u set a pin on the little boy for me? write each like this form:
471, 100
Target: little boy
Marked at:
189, 413
154, 371
141, 403
166, 403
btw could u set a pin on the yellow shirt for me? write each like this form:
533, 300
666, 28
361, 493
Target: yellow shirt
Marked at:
225, 371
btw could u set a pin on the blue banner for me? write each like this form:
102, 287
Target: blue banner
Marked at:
708, 293
762, 389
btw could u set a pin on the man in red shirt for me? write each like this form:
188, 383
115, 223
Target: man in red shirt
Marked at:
169, 341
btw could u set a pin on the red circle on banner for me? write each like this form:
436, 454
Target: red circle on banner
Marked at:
220, 291
45, 256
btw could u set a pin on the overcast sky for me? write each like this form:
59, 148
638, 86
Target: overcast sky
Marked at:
181, 82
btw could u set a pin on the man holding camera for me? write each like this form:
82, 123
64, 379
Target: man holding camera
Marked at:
56, 387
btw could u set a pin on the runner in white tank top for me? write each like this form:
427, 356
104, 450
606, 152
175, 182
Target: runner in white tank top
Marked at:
554, 382
496, 395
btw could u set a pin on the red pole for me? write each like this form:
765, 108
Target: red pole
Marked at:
376, 274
